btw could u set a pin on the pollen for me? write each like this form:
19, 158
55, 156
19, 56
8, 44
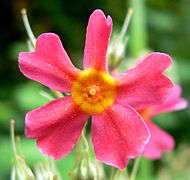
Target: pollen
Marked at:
93, 91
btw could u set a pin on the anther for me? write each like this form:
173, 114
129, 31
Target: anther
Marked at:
92, 91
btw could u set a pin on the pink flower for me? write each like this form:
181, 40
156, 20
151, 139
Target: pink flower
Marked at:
161, 141
118, 132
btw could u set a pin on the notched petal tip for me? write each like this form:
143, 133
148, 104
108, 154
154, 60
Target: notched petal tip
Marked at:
49, 64
147, 81
162, 57
49, 34
109, 21
47, 37
98, 13
97, 38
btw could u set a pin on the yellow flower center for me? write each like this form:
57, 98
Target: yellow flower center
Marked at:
93, 91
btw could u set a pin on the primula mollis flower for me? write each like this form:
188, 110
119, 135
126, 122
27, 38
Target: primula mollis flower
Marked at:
118, 131
20, 169
161, 141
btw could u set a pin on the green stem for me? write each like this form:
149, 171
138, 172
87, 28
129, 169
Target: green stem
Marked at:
19, 148
85, 141
126, 24
27, 27
138, 30
12, 122
127, 172
112, 173
135, 169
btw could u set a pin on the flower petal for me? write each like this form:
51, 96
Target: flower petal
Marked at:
49, 64
173, 103
145, 85
160, 142
97, 39
118, 134
56, 126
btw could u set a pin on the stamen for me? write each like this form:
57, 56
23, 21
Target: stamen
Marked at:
30, 45
27, 27
12, 122
92, 91
126, 24
18, 141
46, 95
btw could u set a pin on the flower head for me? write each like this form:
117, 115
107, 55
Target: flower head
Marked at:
118, 132
160, 140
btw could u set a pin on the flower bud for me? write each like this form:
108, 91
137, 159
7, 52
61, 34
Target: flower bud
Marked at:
121, 175
116, 50
46, 170
20, 169
86, 168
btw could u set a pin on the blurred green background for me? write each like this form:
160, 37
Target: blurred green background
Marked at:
162, 25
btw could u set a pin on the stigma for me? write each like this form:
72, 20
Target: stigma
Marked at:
93, 91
